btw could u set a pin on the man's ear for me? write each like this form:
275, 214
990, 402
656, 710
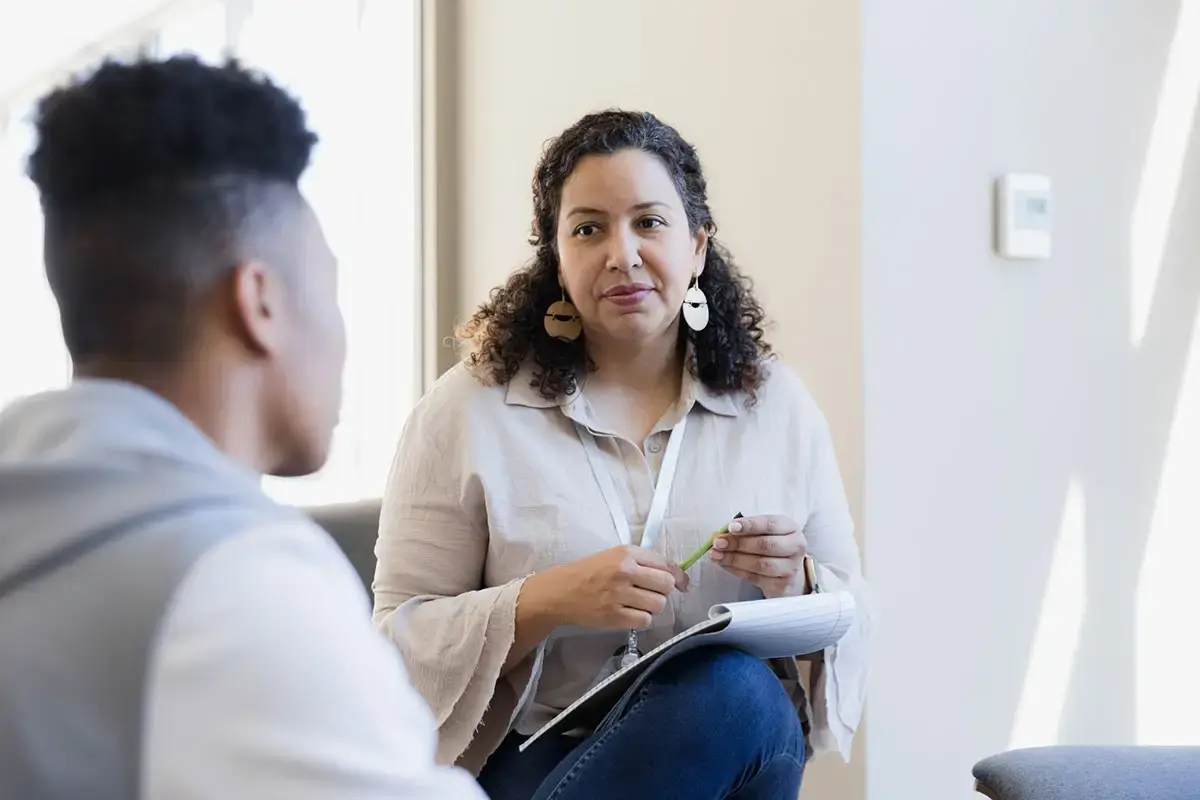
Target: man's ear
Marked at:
258, 299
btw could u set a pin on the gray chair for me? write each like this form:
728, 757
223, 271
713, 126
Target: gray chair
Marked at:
354, 526
1091, 773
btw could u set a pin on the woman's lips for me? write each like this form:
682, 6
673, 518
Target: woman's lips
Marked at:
626, 296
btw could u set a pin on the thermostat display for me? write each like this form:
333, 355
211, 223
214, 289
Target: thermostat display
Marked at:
1023, 216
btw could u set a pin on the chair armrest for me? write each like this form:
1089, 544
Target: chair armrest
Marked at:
1091, 773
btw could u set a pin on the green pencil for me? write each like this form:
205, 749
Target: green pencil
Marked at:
704, 548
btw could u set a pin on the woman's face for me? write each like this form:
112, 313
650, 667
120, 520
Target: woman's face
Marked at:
626, 253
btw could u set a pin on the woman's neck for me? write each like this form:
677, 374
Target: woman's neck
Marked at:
634, 386
650, 367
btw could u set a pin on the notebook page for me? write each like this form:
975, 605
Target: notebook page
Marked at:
785, 626
776, 628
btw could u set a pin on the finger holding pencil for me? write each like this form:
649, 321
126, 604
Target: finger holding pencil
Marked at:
768, 551
704, 548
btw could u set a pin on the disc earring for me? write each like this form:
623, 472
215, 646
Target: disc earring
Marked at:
695, 306
562, 320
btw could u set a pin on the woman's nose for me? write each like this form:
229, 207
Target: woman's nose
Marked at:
623, 252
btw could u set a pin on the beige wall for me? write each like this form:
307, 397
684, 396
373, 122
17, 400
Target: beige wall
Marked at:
769, 93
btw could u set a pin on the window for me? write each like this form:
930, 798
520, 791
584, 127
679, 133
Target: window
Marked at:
353, 66
28, 314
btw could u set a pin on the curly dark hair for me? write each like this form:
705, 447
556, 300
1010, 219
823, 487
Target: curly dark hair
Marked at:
507, 330
151, 174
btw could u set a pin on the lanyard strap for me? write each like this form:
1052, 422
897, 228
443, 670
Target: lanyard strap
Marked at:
662, 488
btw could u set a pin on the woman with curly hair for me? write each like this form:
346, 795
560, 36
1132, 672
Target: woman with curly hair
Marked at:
617, 404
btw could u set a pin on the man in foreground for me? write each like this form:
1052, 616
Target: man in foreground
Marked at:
166, 631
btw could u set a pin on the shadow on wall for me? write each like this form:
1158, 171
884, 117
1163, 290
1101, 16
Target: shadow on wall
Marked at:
1109, 659
1033, 430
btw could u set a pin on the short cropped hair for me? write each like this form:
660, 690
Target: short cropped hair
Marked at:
152, 175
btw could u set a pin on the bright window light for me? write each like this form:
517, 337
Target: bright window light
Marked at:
353, 66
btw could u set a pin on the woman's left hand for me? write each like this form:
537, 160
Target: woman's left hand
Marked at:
765, 550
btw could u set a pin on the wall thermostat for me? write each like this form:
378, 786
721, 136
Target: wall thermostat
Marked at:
1023, 216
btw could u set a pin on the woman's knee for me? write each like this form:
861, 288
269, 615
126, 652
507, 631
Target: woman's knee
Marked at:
734, 690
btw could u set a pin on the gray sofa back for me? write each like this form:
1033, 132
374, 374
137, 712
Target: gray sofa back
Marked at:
354, 526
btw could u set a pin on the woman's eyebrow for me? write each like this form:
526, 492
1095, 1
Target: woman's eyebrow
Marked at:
596, 212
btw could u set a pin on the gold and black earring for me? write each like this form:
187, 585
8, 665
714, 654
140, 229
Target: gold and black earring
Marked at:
562, 320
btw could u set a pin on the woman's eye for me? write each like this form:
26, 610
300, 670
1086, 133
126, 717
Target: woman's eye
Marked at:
650, 223
587, 229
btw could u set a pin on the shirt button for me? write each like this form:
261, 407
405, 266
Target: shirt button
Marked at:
654, 448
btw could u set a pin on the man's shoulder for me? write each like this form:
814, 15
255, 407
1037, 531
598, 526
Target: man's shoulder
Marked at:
269, 547
267, 659
275, 596
196, 520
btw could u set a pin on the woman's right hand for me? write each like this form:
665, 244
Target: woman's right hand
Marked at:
618, 589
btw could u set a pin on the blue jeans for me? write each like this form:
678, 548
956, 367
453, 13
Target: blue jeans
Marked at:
712, 724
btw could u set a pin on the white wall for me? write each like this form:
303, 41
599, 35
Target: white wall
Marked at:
768, 90
1017, 421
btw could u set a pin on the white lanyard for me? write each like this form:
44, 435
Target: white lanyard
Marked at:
662, 489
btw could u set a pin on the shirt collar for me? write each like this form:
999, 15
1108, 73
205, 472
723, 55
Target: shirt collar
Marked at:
522, 391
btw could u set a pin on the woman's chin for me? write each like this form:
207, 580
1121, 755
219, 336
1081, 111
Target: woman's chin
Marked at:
630, 329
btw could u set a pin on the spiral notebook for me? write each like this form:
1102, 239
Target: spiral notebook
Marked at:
777, 628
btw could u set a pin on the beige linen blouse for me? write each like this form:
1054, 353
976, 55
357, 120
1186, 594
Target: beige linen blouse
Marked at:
492, 483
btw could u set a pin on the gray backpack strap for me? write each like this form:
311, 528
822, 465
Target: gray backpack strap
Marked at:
72, 703
57, 559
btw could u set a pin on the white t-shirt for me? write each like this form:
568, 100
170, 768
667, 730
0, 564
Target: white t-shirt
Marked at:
269, 681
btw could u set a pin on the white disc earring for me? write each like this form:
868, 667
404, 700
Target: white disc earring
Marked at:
695, 306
